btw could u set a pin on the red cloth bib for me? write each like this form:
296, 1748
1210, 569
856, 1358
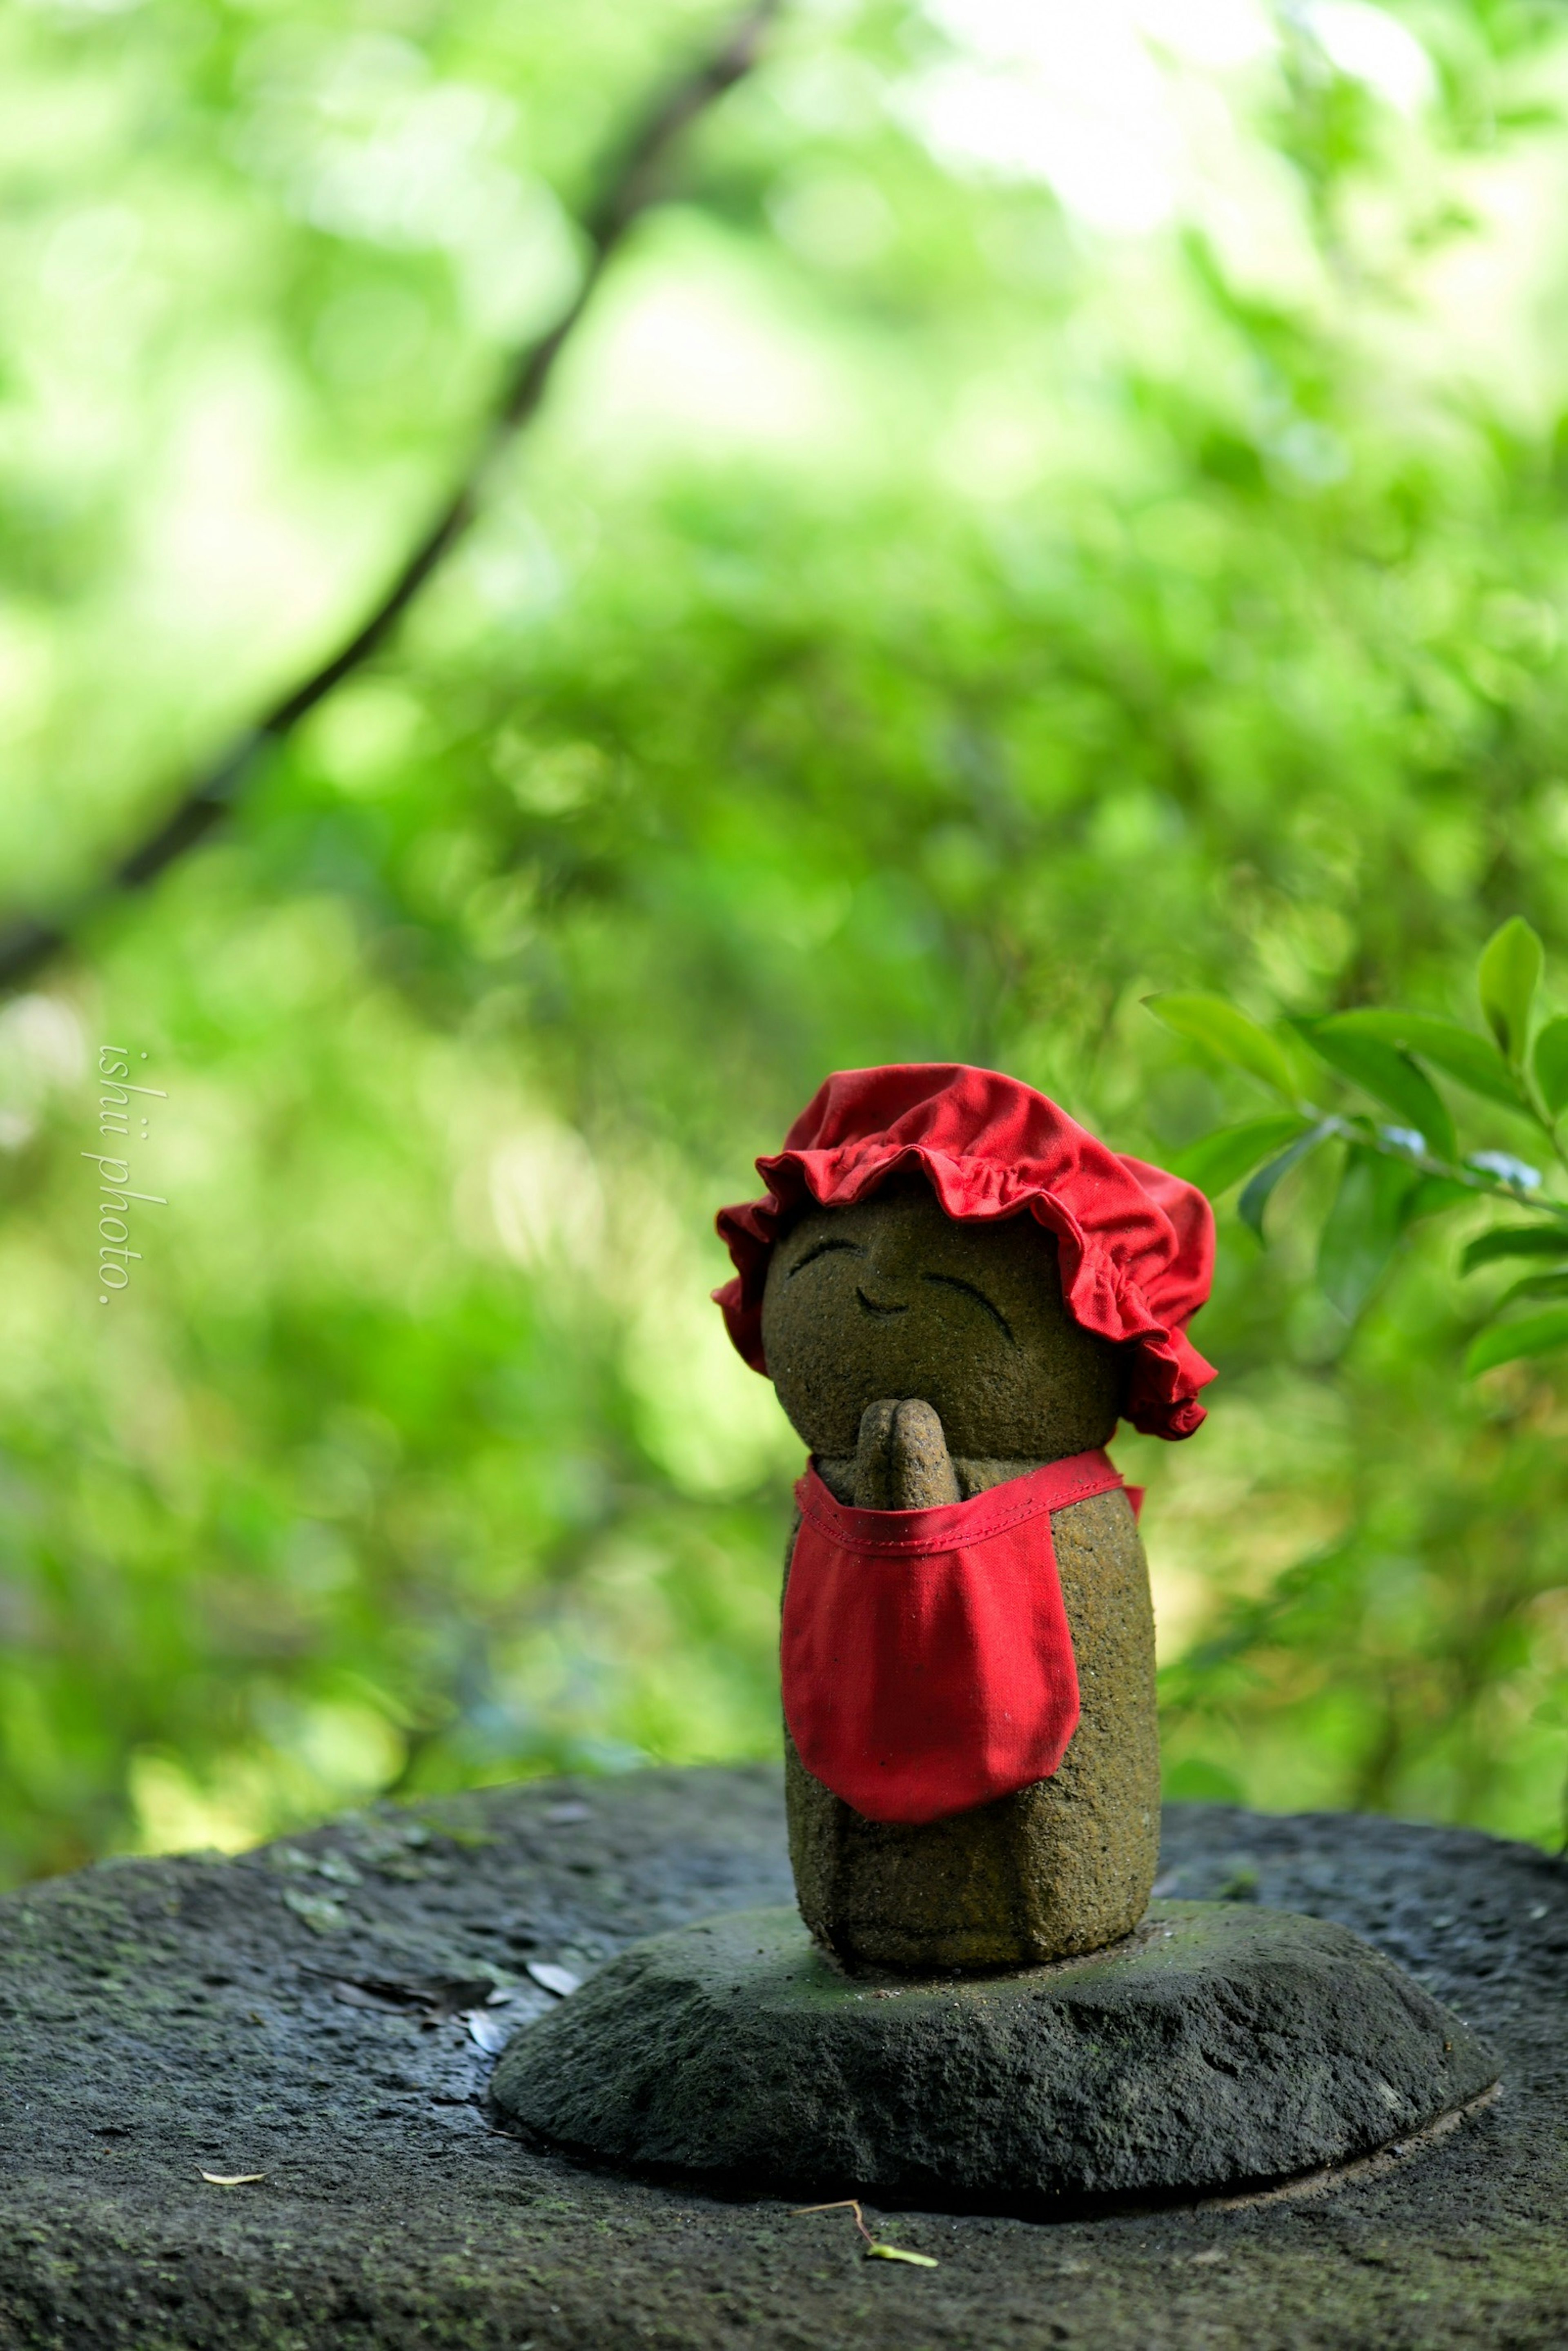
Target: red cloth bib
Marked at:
927, 1661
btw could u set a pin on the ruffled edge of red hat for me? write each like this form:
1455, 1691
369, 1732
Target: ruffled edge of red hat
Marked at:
1139, 1296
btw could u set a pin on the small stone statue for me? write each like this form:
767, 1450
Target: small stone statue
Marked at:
957, 1293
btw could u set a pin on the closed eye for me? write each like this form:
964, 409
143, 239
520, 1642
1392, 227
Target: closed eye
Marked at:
951, 1281
820, 1248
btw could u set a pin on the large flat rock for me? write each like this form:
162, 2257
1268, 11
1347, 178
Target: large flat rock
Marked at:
309, 2012
1220, 2046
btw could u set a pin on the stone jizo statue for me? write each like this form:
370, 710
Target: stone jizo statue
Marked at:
957, 1293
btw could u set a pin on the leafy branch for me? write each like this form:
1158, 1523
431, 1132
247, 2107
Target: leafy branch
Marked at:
1396, 1172
634, 181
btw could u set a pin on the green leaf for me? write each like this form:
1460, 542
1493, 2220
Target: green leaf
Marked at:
1551, 1060
1536, 1285
1435, 1192
1514, 1240
1458, 1052
1508, 975
897, 2253
1388, 1074
1210, 1021
1508, 1342
1369, 1213
1218, 1160
1256, 1197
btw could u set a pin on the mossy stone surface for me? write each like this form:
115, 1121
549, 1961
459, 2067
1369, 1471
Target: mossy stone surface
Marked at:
924, 1360
161, 2018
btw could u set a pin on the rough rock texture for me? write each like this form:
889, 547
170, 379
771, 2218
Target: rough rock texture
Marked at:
922, 1359
1221, 2046
891, 1298
157, 2019
902, 1461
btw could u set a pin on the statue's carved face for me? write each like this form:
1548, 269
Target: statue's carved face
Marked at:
892, 1299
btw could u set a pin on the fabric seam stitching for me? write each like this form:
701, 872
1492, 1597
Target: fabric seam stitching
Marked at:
933, 1546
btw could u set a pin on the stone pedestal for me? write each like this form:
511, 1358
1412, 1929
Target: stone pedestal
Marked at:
318, 2013
1220, 2049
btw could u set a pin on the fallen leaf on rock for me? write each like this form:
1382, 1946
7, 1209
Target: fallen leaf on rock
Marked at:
322, 1915
353, 1995
434, 1996
560, 1980
337, 1867
489, 2031
232, 2179
874, 2251
290, 1856
326, 1864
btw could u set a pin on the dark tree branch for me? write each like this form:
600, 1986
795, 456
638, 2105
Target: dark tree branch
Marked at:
632, 184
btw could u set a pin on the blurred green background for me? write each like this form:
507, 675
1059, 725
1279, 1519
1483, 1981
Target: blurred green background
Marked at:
1059, 503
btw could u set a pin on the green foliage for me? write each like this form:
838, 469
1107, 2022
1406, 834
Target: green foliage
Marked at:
1258, 1194
1390, 1176
1511, 1241
1219, 1160
936, 613
1550, 1063
1362, 1230
1228, 1034
1507, 980
1510, 1343
1456, 1051
1388, 1075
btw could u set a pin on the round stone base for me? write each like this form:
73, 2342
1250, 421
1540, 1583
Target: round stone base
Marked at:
1221, 2046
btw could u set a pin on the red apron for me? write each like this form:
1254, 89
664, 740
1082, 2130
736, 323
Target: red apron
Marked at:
927, 1661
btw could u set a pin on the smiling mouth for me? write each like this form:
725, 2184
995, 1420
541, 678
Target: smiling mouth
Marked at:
873, 1308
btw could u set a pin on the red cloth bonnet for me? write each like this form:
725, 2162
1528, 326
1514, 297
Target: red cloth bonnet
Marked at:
1136, 1245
